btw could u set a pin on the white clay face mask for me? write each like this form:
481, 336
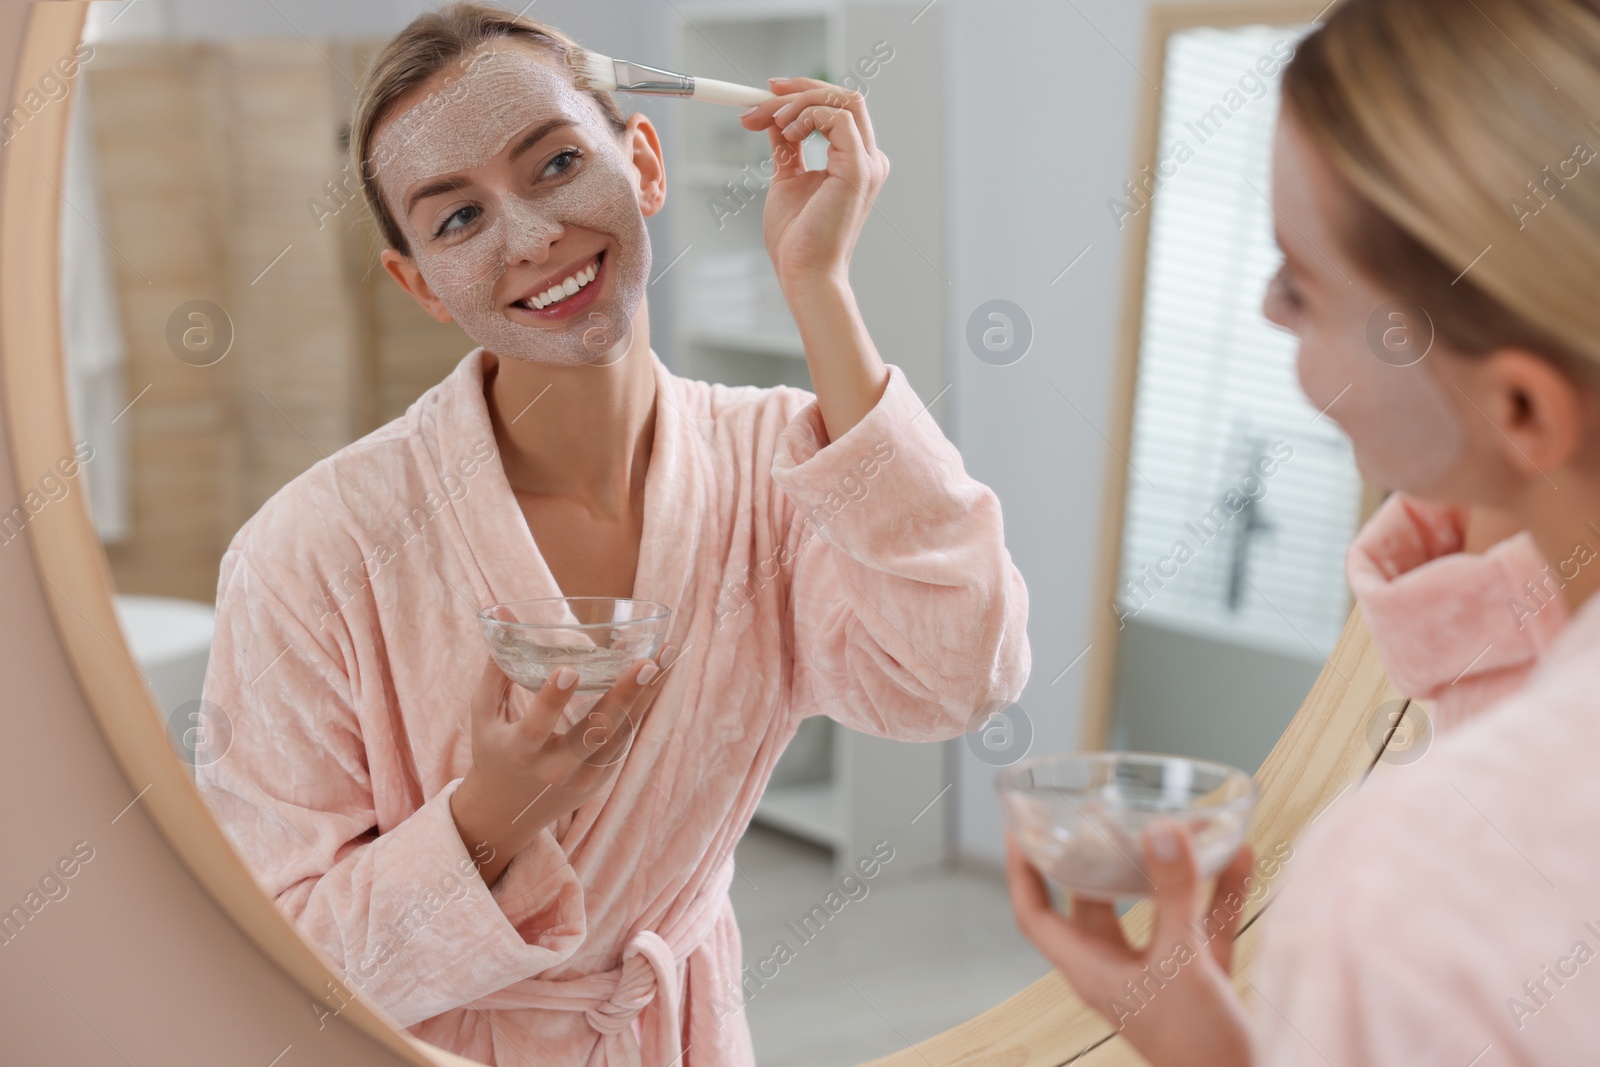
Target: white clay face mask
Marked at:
1407, 433
1364, 355
565, 232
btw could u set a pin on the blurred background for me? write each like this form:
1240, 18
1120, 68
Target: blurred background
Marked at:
1067, 262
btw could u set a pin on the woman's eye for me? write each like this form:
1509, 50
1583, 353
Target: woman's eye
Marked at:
1287, 291
561, 163
458, 219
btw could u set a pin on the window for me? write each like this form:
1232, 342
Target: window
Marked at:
1241, 496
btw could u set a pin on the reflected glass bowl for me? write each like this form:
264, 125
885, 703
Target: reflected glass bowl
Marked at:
1080, 817
600, 637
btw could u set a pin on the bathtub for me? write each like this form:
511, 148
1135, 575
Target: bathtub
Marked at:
171, 642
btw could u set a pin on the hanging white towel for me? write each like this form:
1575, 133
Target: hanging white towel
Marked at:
91, 330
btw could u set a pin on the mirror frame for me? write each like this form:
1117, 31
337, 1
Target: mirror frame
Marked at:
1322, 753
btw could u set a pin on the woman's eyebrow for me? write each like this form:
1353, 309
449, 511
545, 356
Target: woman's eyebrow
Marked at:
538, 133
443, 185
446, 185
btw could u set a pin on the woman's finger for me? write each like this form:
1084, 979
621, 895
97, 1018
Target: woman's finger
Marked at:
836, 96
1030, 896
786, 158
759, 116
789, 100
1170, 862
488, 702
537, 723
796, 94
601, 737
1228, 903
1098, 919
1063, 943
844, 138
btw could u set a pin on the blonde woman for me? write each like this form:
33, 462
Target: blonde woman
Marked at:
1436, 160
507, 888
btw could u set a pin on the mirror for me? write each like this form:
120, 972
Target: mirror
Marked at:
228, 327
333, 400
1224, 561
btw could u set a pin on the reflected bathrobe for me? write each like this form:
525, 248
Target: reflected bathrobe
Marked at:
1448, 912
865, 578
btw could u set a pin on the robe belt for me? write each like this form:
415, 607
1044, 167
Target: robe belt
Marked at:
611, 999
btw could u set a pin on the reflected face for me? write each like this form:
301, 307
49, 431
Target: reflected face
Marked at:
520, 207
1406, 423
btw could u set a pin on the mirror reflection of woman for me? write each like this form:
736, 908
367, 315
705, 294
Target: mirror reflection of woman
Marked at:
434, 830
1435, 172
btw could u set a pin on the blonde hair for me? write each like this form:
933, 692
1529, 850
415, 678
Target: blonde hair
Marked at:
1465, 132
431, 43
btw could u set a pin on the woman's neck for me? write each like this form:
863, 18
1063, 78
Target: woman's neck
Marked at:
1565, 524
578, 431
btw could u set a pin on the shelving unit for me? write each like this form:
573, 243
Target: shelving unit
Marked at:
834, 787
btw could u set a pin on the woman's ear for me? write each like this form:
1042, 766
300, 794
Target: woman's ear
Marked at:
404, 270
639, 140
1543, 416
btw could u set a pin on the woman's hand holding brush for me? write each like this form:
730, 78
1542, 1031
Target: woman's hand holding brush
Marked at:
811, 222
813, 217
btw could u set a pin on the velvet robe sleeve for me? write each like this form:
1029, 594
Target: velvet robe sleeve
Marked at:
1454, 629
400, 908
909, 619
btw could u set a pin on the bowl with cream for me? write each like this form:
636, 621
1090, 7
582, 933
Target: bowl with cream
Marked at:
599, 637
1080, 817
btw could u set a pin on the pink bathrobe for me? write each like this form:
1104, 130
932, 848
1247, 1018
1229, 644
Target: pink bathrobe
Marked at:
865, 579
1448, 913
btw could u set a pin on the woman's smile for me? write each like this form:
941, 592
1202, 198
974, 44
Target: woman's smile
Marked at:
575, 289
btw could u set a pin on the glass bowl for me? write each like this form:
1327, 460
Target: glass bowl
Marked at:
600, 637
1080, 817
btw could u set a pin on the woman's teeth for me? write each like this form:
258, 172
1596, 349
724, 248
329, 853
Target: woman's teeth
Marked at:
557, 293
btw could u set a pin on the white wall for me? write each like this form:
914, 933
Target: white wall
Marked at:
1046, 97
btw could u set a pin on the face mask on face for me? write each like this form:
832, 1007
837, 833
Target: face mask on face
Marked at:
465, 124
1407, 433
1364, 356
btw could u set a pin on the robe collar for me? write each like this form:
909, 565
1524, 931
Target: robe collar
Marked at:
497, 538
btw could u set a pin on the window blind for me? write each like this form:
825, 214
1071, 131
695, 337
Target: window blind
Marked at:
1241, 496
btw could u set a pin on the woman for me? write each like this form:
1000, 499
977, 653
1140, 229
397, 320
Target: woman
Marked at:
510, 890
1434, 159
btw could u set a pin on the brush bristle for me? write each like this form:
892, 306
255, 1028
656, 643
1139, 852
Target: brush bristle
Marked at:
592, 71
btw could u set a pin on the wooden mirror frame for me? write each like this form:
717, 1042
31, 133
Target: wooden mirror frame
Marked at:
1323, 752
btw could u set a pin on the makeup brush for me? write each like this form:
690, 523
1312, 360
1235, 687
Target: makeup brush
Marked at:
592, 71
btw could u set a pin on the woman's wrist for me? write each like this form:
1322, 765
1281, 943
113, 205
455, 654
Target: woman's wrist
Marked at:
468, 817
482, 832
847, 374
815, 289
1209, 1030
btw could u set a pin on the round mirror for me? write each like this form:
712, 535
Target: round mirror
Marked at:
220, 328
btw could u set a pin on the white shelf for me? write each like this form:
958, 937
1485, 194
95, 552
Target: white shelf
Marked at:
808, 810
760, 342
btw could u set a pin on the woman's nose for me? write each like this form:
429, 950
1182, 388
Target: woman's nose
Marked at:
529, 231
